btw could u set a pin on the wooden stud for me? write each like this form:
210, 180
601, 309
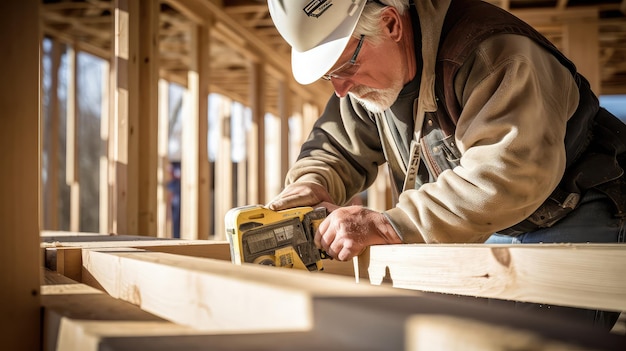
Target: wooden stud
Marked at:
285, 111
164, 224
19, 181
50, 136
256, 136
104, 216
377, 195
71, 147
148, 123
195, 175
581, 45
123, 142
223, 166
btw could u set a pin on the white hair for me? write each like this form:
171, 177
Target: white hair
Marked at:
369, 22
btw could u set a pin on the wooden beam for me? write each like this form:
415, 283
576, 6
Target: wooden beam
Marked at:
124, 143
50, 142
66, 258
285, 110
352, 316
104, 202
19, 181
70, 308
577, 275
223, 165
71, 132
378, 197
206, 293
581, 45
62, 250
256, 136
394, 323
536, 17
164, 223
202, 11
195, 175
148, 121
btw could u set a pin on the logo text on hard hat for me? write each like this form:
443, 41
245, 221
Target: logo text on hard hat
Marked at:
316, 8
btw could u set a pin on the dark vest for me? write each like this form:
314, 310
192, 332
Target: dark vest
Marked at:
595, 140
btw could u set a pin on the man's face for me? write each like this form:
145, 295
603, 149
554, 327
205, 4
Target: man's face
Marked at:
379, 78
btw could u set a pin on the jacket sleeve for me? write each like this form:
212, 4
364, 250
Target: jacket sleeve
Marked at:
516, 99
342, 153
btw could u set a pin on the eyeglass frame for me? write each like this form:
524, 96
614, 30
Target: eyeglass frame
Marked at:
350, 63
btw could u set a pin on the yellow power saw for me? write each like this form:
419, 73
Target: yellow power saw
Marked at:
276, 238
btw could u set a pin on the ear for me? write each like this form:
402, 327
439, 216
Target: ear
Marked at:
392, 24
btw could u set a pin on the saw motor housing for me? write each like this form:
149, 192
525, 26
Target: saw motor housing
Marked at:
276, 238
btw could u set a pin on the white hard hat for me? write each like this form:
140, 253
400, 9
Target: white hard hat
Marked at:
317, 30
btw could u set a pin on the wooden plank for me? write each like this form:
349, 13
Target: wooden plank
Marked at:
123, 145
71, 147
66, 257
148, 117
104, 212
70, 308
577, 275
79, 318
164, 223
378, 193
581, 45
19, 179
389, 323
50, 141
205, 293
256, 136
437, 332
195, 179
286, 111
223, 166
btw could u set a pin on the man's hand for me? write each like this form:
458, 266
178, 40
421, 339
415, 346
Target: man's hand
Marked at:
300, 194
347, 231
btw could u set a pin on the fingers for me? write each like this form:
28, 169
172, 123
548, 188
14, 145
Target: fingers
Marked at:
300, 194
347, 231
287, 202
338, 242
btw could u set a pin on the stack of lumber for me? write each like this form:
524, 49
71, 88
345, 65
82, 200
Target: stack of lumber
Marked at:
123, 293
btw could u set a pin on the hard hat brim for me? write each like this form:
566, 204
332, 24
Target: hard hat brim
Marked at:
310, 65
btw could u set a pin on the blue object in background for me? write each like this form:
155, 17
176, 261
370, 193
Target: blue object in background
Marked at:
616, 104
174, 188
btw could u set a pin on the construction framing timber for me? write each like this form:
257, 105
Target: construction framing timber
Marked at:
125, 293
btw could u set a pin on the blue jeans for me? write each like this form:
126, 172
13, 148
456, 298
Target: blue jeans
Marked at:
591, 222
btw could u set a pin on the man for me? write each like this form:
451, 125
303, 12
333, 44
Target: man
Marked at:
485, 127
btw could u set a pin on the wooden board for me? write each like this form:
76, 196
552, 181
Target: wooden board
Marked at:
577, 275
19, 179
343, 315
210, 294
66, 257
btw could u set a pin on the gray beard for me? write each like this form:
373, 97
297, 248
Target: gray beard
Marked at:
383, 98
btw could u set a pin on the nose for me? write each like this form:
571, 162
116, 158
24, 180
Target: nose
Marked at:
341, 86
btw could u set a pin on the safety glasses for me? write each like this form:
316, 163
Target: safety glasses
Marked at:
348, 69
